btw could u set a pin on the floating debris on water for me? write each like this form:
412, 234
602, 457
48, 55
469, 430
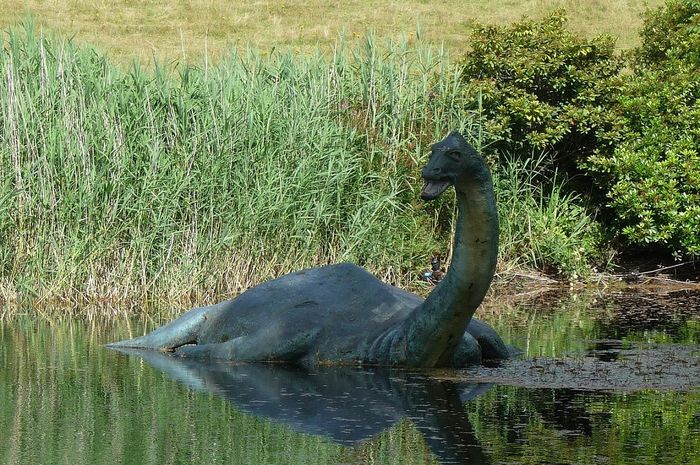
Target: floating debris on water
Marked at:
606, 367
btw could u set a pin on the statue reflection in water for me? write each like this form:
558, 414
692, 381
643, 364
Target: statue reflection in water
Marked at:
343, 404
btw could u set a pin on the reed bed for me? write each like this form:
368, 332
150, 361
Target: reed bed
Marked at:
194, 184
125, 185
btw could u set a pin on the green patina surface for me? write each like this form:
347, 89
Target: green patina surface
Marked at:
341, 314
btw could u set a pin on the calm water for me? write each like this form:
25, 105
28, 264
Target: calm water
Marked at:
606, 379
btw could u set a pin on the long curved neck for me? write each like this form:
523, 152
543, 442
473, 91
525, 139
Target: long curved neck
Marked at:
432, 332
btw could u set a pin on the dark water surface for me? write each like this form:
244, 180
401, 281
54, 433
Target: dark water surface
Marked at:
605, 379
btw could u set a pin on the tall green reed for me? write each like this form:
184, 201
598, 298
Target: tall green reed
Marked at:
543, 225
191, 184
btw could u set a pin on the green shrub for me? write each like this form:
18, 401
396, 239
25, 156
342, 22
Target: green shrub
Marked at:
671, 32
543, 87
652, 176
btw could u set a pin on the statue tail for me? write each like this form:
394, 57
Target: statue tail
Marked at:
179, 332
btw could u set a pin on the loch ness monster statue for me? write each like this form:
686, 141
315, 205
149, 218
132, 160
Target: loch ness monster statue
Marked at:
341, 314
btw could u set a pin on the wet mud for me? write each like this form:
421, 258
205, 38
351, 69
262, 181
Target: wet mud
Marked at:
648, 337
607, 367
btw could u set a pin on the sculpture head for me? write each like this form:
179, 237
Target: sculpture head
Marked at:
450, 159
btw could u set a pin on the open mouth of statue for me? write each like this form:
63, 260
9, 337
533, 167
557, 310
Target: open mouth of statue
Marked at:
433, 188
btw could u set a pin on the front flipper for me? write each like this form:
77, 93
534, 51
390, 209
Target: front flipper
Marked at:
260, 347
179, 332
491, 344
481, 342
468, 352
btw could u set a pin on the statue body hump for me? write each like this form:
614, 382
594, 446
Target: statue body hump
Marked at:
342, 314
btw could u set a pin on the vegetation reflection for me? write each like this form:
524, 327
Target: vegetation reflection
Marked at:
60, 389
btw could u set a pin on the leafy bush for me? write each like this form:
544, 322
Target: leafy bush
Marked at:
671, 32
652, 176
543, 87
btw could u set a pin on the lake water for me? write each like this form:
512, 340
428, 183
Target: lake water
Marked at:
605, 379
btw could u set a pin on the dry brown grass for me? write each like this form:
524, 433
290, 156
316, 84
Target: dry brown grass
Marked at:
170, 29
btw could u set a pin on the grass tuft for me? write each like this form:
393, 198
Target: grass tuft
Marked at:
543, 225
